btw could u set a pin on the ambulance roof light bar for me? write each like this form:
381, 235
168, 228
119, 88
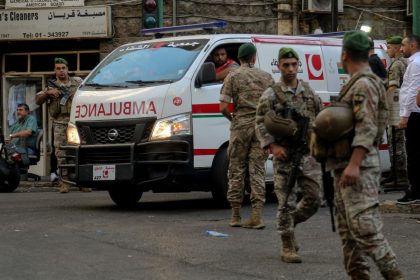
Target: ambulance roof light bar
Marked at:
184, 28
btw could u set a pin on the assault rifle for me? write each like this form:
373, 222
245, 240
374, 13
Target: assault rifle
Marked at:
328, 186
64, 92
298, 150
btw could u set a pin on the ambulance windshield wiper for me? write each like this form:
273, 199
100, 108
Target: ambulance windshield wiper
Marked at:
102, 85
141, 82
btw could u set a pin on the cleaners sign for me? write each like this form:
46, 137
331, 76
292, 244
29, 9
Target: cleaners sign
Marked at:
62, 23
43, 3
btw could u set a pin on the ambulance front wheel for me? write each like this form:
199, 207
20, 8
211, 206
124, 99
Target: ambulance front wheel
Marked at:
125, 196
220, 178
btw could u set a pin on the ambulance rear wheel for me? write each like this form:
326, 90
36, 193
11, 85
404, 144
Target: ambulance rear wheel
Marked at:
127, 196
220, 178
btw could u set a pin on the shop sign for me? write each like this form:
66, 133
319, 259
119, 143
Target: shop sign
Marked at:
61, 23
10, 4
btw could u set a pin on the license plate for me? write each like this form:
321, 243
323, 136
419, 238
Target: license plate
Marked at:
103, 172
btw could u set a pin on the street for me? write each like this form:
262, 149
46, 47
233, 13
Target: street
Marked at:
47, 235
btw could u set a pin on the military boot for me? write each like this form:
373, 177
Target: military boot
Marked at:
393, 275
255, 221
288, 253
235, 220
360, 275
63, 187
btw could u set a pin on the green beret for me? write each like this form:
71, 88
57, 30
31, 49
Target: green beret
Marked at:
394, 40
246, 50
356, 41
288, 53
59, 60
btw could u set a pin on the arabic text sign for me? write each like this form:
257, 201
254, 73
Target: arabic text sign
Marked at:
43, 3
62, 23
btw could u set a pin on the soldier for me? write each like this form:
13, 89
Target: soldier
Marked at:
244, 87
59, 106
294, 93
395, 78
353, 132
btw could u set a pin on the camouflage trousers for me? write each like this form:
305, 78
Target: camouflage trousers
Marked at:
60, 139
308, 185
246, 158
359, 225
400, 155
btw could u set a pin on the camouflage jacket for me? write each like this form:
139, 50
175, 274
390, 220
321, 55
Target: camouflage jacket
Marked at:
244, 87
61, 113
396, 72
366, 95
278, 97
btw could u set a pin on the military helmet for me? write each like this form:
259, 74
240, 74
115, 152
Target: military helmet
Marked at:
280, 127
334, 121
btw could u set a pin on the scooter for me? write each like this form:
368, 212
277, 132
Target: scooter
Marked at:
10, 161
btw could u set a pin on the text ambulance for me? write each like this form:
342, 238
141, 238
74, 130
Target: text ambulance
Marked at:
147, 117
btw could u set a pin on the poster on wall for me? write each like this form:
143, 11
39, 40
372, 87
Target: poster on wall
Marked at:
49, 24
11, 4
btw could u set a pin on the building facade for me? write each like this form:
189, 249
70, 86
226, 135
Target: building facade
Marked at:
33, 32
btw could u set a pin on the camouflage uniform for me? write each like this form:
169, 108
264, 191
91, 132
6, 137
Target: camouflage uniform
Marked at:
60, 114
395, 77
245, 86
304, 100
357, 206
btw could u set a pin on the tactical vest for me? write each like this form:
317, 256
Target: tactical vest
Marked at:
306, 109
341, 148
58, 111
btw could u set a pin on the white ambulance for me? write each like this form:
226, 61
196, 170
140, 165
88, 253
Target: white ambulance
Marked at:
147, 117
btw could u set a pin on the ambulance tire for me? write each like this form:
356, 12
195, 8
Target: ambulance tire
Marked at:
219, 176
125, 196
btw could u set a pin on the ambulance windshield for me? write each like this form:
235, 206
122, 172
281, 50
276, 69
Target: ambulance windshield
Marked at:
147, 63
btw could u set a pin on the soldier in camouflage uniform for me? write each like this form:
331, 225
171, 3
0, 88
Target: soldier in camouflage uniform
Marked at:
290, 92
395, 78
357, 175
59, 108
244, 87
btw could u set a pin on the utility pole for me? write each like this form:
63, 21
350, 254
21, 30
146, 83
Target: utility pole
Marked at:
334, 15
416, 17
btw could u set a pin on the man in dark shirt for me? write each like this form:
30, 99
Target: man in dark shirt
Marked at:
375, 62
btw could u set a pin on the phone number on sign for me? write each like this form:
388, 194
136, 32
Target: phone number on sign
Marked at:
31, 35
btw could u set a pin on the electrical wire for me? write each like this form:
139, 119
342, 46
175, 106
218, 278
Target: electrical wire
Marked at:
373, 13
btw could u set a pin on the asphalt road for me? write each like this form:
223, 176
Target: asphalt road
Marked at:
47, 235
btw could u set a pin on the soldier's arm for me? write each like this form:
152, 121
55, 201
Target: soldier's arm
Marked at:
226, 97
264, 105
395, 73
365, 101
418, 97
43, 95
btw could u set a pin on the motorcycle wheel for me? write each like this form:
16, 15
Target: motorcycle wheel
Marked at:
12, 181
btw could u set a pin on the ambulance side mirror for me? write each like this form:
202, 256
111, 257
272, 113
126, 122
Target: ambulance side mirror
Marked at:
206, 75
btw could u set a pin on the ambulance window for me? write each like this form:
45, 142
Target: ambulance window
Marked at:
224, 56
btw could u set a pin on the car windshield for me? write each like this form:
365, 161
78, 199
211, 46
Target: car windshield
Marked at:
147, 63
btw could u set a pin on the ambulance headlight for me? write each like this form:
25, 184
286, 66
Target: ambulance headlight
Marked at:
172, 126
72, 134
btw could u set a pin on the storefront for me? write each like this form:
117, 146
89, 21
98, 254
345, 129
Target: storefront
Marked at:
30, 39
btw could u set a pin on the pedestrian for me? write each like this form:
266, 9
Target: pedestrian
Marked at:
375, 62
290, 92
244, 88
59, 94
396, 138
224, 65
355, 162
410, 116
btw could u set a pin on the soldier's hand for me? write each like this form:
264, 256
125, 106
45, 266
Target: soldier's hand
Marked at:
350, 176
403, 122
278, 151
53, 92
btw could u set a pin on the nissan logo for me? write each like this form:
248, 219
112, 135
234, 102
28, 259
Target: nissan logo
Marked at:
113, 134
